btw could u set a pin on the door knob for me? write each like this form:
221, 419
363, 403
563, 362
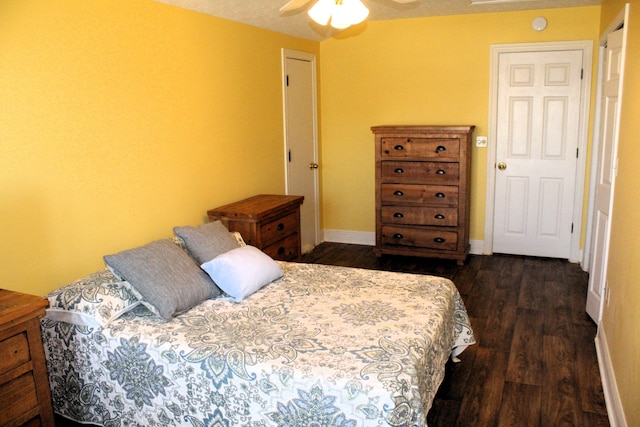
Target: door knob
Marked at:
502, 166
313, 166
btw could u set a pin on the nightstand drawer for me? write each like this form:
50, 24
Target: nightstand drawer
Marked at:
279, 228
15, 352
284, 250
18, 397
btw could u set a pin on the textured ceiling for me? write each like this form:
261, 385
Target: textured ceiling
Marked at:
266, 14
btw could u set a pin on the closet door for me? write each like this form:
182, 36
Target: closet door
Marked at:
606, 169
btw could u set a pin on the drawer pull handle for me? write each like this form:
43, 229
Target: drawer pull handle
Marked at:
439, 216
398, 215
441, 148
280, 250
398, 236
398, 193
440, 195
440, 172
280, 226
399, 170
439, 240
399, 147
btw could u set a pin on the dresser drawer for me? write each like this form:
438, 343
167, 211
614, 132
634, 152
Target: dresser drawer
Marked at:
15, 351
285, 250
420, 147
420, 238
424, 194
419, 172
409, 215
279, 228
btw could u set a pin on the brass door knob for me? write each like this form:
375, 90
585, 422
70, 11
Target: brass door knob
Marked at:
502, 166
313, 166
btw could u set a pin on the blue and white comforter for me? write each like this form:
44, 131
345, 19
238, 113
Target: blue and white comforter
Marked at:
322, 346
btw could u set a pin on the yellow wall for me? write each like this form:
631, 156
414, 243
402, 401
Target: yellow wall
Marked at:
621, 317
416, 71
120, 119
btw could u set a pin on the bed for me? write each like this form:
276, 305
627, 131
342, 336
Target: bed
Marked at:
321, 345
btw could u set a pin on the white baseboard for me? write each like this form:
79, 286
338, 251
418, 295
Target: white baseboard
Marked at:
347, 236
369, 238
476, 247
609, 385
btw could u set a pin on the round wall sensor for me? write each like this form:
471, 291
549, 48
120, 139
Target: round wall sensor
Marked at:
539, 23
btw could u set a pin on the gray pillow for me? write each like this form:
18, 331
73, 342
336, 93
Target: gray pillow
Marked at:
206, 241
164, 277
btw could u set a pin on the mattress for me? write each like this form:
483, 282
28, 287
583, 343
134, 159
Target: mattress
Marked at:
322, 345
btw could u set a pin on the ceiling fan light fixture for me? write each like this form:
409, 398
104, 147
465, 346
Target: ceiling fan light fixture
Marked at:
321, 11
343, 13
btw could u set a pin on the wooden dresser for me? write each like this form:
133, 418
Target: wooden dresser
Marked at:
25, 397
267, 221
422, 190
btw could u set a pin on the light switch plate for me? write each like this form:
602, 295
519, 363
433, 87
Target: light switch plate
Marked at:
481, 141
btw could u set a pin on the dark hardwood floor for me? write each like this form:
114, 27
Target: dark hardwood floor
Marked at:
534, 363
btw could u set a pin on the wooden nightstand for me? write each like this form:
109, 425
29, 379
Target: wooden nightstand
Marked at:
24, 383
269, 222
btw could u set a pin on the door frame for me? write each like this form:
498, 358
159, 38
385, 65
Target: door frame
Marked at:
586, 46
305, 56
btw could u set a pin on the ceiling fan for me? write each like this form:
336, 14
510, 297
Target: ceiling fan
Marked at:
342, 13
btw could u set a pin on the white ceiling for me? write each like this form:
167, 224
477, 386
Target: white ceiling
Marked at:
266, 14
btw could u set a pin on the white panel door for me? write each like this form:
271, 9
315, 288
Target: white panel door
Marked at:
301, 154
606, 172
536, 152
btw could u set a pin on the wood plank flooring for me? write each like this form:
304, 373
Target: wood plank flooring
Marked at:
534, 363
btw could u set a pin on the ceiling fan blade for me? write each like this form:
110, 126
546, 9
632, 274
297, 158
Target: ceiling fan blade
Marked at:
293, 5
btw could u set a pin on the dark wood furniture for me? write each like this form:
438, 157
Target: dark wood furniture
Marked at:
422, 190
25, 397
267, 221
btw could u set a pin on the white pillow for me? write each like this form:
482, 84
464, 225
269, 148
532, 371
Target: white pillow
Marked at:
242, 271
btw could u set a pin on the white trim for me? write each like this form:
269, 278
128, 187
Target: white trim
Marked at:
476, 247
583, 130
609, 384
347, 236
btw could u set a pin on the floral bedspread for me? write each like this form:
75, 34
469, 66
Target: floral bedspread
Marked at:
322, 346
